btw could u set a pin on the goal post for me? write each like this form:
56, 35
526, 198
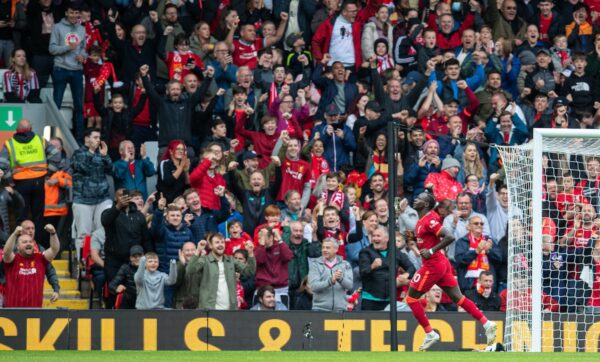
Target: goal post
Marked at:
540, 296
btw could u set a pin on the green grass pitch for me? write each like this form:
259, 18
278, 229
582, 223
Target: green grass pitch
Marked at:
62, 356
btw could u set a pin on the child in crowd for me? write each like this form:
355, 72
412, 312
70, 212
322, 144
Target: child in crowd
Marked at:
150, 282
329, 226
124, 281
237, 238
91, 69
181, 61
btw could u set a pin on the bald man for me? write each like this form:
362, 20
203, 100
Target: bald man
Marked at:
27, 159
138, 50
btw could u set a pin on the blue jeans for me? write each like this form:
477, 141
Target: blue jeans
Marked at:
74, 78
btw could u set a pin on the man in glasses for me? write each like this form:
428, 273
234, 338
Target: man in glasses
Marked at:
504, 21
475, 253
458, 221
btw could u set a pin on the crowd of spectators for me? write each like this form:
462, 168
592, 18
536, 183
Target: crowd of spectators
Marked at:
273, 170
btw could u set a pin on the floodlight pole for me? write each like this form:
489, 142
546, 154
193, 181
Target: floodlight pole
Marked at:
391, 160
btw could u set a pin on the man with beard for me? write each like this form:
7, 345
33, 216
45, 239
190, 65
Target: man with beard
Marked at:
584, 228
216, 274
175, 112
256, 195
390, 96
376, 191
24, 270
436, 268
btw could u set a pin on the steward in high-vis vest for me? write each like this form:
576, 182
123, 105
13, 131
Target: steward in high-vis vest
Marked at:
26, 158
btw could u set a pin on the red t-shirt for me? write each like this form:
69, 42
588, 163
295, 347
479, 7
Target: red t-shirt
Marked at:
582, 236
575, 196
295, 175
246, 54
24, 285
544, 27
232, 245
427, 231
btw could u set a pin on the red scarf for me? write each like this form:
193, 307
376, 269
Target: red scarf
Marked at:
336, 199
481, 262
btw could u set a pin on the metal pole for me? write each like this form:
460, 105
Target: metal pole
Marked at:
391, 150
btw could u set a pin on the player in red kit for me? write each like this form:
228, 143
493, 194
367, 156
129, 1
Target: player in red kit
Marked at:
436, 268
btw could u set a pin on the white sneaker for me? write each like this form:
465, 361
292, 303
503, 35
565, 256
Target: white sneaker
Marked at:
430, 339
490, 333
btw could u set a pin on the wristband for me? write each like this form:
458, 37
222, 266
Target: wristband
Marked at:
431, 251
52, 234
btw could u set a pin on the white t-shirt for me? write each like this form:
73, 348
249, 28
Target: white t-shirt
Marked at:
341, 47
222, 290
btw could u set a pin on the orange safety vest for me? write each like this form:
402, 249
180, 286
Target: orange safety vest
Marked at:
27, 160
56, 195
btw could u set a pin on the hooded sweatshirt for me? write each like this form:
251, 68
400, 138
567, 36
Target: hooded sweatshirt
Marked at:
63, 34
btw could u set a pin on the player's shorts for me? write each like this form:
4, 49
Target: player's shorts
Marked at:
89, 110
428, 275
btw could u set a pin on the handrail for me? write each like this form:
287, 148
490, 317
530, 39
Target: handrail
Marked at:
56, 119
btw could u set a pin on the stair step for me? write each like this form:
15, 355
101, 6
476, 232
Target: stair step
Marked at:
63, 273
65, 284
66, 294
60, 264
67, 303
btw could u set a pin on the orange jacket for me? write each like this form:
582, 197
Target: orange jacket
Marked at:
56, 195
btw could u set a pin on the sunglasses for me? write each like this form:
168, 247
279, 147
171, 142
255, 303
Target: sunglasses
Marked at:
478, 223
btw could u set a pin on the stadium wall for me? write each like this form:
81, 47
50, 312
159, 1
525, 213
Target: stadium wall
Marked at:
264, 331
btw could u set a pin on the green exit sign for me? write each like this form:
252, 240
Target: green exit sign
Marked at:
9, 117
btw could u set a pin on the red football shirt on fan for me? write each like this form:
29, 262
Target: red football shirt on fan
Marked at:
594, 300
427, 231
582, 236
246, 53
24, 285
295, 175
575, 196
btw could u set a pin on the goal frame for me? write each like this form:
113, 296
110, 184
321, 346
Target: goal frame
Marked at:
537, 186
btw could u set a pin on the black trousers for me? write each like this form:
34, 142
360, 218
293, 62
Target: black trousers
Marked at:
33, 193
373, 305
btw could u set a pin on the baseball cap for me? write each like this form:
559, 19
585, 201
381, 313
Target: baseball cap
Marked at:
332, 110
136, 250
248, 155
374, 106
412, 77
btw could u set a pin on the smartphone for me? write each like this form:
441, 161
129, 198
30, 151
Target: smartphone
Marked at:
125, 192
190, 61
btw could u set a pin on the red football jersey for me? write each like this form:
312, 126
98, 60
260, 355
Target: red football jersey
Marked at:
427, 231
24, 285
295, 175
246, 54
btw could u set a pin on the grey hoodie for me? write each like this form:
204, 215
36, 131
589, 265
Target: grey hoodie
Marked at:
62, 35
150, 285
327, 296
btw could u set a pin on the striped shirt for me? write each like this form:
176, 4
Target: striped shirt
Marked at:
16, 83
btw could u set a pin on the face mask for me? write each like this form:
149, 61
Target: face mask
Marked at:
456, 7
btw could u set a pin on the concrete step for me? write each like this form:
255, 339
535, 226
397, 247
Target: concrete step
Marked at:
66, 303
65, 284
62, 264
63, 273
64, 294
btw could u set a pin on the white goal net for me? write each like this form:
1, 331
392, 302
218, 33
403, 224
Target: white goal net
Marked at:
553, 248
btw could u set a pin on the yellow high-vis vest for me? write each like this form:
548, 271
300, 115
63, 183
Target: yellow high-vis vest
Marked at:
27, 160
